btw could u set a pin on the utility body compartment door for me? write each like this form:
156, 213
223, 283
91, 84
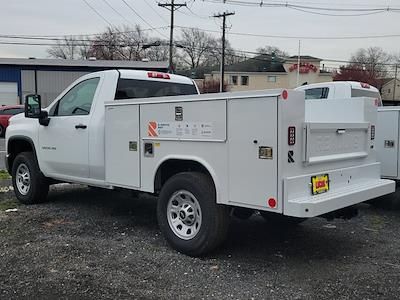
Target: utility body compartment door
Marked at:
252, 127
122, 152
387, 139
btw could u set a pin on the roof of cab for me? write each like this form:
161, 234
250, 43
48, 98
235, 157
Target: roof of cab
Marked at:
352, 84
144, 75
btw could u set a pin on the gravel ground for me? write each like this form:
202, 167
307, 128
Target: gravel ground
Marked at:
94, 244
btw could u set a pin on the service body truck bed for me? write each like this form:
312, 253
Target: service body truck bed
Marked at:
203, 155
242, 140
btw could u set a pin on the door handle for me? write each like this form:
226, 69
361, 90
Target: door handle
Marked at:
80, 126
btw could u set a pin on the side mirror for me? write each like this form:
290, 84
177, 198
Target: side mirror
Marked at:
33, 106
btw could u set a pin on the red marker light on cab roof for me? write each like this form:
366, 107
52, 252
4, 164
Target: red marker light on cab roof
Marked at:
158, 75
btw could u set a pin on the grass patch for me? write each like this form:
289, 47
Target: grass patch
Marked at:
4, 174
7, 204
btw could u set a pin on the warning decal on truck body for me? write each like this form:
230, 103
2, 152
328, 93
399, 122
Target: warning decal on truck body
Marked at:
189, 130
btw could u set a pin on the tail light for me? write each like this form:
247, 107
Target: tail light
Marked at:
372, 132
291, 135
272, 202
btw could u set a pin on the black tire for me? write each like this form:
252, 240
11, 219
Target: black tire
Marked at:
279, 219
2, 131
242, 213
215, 217
38, 183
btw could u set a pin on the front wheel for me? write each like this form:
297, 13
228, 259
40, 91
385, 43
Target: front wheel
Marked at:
188, 215
30, 186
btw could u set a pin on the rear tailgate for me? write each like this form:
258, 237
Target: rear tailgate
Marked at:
333, 163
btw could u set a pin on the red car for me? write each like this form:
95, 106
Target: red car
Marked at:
6, 112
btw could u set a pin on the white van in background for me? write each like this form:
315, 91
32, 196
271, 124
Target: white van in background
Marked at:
340, 90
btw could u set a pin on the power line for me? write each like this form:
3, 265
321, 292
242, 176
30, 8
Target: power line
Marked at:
153, 9
97, 13
117, 12
62, 36
298, 37
344, 12
143, 19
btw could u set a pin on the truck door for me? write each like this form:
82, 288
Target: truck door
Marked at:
64, 142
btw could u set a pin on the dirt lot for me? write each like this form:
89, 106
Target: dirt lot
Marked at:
92, 244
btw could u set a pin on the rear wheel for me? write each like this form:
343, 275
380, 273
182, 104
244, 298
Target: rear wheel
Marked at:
30, 186
275, 218
188, 215
2, 130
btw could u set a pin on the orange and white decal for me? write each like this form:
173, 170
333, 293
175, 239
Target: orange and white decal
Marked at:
152, 129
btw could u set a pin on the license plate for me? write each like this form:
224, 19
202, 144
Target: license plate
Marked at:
320, 184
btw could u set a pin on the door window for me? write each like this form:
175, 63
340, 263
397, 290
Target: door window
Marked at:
78, 100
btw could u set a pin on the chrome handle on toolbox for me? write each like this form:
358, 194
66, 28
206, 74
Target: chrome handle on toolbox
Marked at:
341, 131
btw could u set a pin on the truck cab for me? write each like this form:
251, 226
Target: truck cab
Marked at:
71, 146
340, 90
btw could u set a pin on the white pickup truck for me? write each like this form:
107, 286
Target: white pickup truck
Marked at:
203, 155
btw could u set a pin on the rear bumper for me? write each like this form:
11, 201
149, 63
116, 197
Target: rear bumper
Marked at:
348, 187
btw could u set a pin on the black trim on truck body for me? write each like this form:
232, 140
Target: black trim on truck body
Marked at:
11, 156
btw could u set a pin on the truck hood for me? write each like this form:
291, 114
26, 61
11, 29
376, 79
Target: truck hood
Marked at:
16, 118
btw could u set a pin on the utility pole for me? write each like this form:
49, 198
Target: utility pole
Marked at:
395, 83
298, 66
222, 69
171, 7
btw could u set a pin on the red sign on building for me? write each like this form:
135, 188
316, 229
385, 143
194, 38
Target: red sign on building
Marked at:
304, 68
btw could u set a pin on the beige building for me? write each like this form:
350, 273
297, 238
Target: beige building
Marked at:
390, 90
264, 72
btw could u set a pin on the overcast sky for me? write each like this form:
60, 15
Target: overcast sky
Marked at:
56, 17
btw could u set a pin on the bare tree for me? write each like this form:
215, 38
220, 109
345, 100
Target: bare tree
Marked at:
68, 48
373, 59
272, 50
195, 47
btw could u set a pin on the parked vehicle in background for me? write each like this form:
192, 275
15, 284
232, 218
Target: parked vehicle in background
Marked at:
340, 90
6, 112
205, 156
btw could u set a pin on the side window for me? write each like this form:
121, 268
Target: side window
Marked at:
317, 93
78, 100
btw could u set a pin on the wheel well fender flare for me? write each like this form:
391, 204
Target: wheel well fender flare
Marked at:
194, 159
